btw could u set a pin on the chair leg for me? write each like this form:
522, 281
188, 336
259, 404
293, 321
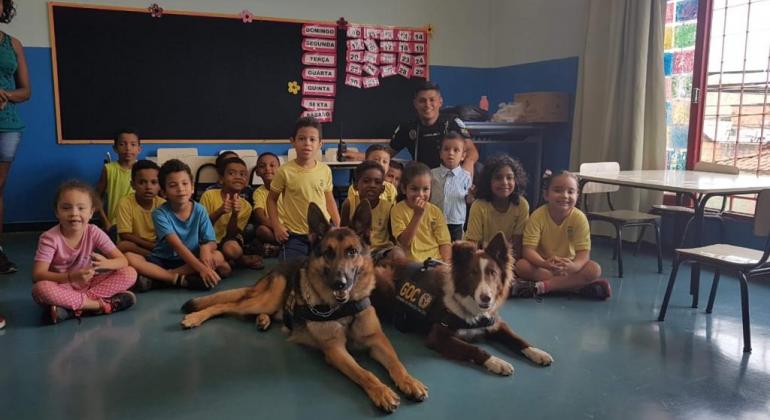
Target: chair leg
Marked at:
659, 246
669, 288
745, 312
639, 240
713, 294
619, 247
683, 244
695, 286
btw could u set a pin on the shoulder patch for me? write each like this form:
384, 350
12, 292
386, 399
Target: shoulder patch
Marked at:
459, 123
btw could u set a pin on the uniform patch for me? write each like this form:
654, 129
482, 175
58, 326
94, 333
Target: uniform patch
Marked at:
413, 134
415, 297
459, 123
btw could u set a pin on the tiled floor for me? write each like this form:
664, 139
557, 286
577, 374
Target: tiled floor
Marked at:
613, 360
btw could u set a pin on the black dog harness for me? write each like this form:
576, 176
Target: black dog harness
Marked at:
297, 314
418, 307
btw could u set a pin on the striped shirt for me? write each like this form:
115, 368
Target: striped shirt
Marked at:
448, 190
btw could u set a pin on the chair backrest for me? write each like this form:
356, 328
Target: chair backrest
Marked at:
762, 214
168, 153
716, 167
599, 168
254, 179
205, 175
318, 156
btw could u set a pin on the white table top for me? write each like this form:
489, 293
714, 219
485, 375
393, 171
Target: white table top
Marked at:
346, 164
684, 181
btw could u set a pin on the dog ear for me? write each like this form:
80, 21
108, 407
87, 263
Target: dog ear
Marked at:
362, 221
500, 250
462, 253
317, 223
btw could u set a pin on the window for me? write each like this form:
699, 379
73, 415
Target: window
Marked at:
736, 111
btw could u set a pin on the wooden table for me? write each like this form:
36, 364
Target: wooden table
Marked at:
701, 186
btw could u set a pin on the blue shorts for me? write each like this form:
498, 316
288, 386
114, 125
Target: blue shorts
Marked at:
296, 246
165, 263
9, 142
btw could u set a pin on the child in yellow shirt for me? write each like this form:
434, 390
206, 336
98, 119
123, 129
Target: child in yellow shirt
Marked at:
300, 182
135, 228
557, 246
370, 185
419, 227
115, 180
500, 205
393, 174
229, 212
380, 154
267, 165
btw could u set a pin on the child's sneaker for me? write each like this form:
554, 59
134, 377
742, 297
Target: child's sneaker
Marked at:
6, 266
143, 284
119, 302
523, 289
600, 289
57, 314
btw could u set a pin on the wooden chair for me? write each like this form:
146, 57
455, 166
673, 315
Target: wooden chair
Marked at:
723, 257
620, 219
711, 213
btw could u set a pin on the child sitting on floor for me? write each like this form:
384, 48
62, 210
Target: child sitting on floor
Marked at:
229, 212
419, 226
500, 205
369, 177
78, 269
267, 165
135, 228
186, 252
380, 154
557, 246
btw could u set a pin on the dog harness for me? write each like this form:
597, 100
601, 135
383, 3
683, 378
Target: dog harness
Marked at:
418, 306
297, 314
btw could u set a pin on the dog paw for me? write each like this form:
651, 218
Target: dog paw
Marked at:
413, 388
263, 322
385, 399
538, 356
191, 321
189, 306
498, 366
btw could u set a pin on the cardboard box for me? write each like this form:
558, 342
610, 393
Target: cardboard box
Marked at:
543, 107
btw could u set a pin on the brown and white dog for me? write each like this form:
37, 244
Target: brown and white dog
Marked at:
324, 300
452, 304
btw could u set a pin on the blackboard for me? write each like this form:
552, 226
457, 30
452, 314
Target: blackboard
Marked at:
198, 78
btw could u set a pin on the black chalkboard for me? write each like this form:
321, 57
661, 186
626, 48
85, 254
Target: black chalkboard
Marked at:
198, 78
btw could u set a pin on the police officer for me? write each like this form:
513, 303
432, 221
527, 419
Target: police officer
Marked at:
422, 137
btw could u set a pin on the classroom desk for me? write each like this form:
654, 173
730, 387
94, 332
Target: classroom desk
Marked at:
701, 186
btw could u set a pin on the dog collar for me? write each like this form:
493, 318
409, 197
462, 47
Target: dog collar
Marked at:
454, 322
299, 314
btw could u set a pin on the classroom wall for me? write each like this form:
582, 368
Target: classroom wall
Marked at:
461, 57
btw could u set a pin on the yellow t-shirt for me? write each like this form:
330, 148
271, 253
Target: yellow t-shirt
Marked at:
133, 218
574, 234
118, 186
379, 235
260, 200
431, 232
484, 221
389, 194
299, 187
212, 201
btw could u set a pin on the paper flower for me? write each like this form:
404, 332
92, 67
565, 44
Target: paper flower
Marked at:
247, 16
342, 23
293, 87
155, 10
430, 30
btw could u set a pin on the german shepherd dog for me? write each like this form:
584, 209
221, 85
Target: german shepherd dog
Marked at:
324, 300
457, 302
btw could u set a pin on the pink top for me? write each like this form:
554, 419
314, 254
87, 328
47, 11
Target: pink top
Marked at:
53, 248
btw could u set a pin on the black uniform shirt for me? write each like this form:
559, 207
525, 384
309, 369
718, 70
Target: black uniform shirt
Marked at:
429, 143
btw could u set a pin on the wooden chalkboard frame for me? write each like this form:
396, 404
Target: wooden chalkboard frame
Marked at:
57, 96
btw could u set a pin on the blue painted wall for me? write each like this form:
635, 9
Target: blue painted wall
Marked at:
41, 164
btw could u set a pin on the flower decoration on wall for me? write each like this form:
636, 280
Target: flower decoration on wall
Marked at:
342, 23
293, 87
155, 10
247, 16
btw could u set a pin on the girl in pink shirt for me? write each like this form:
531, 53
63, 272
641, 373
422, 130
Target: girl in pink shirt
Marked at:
78, 269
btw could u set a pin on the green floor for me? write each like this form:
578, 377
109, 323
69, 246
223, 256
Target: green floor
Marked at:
613, 360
